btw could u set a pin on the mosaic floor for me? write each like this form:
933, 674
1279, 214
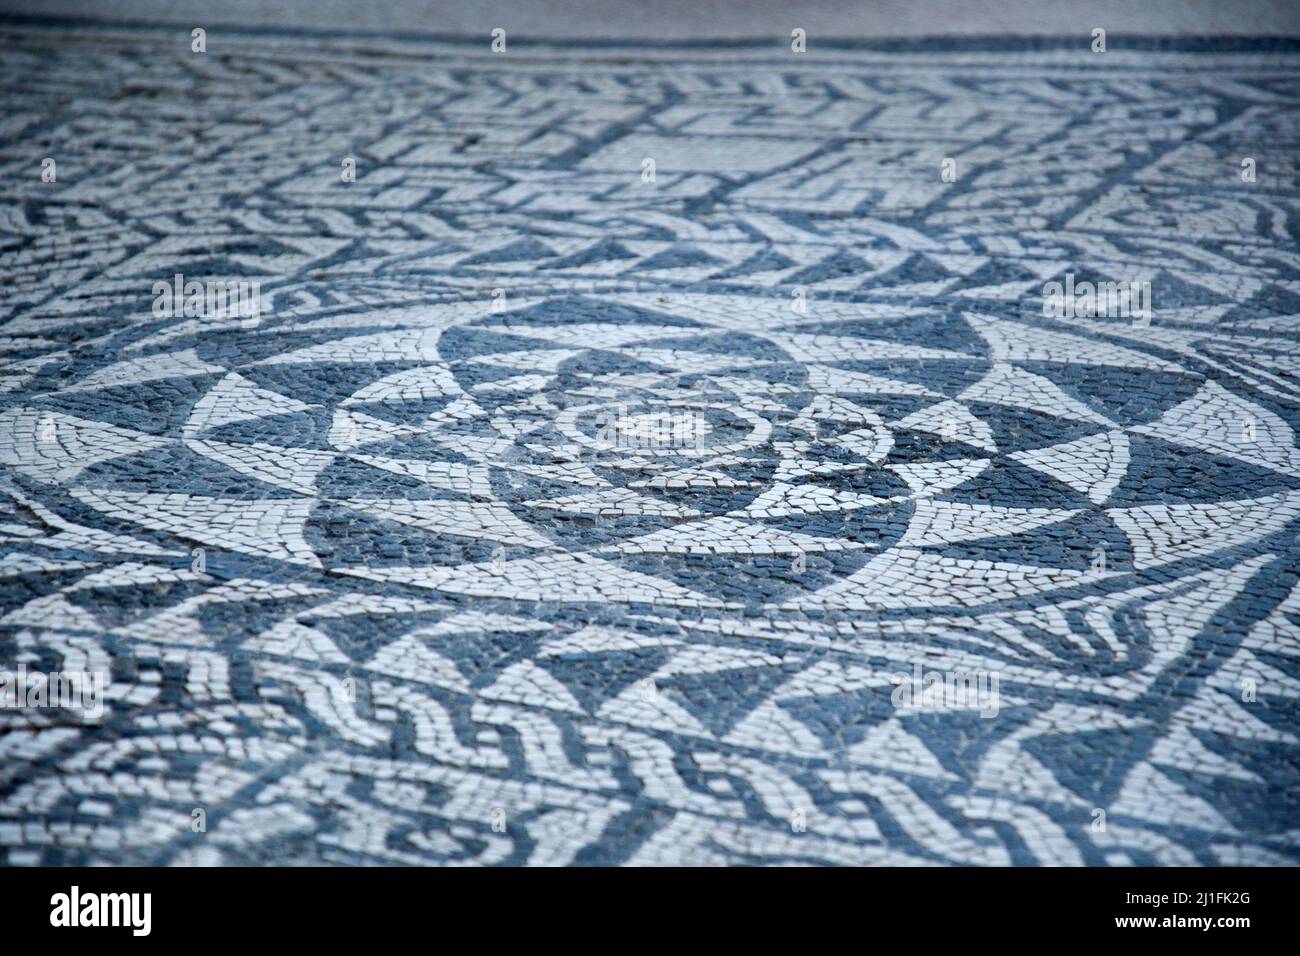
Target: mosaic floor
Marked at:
557, 507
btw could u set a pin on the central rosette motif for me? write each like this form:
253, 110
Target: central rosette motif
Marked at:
619, 420
662, 445
662, 429
640, 448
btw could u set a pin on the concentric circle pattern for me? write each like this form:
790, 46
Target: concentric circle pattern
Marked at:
547, 515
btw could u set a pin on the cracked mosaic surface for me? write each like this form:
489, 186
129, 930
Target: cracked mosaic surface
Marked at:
441, 617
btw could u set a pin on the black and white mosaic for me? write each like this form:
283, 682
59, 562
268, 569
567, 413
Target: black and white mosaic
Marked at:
620, 433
